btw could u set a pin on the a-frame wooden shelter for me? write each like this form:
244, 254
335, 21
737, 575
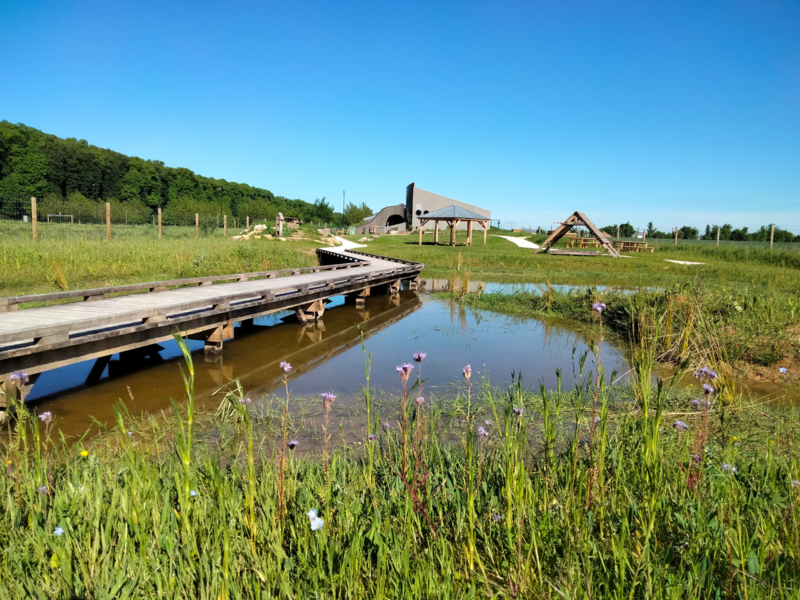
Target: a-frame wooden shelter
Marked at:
577, 219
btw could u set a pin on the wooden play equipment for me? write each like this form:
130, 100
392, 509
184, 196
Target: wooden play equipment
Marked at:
578, 219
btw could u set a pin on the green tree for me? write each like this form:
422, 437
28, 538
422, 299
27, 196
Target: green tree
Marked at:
355, 215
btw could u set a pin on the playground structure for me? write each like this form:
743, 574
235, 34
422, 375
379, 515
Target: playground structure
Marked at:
578, 219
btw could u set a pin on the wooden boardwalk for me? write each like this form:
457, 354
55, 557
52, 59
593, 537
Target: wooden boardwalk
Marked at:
101, 322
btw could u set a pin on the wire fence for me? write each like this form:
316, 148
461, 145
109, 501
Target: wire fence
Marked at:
56, 218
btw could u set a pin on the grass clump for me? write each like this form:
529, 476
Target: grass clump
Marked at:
511, 494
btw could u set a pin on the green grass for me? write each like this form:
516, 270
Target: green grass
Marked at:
546, 506
728, 267
52, 265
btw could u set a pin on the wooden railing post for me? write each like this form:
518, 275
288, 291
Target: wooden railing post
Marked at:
159, 223
33, 219
108, 220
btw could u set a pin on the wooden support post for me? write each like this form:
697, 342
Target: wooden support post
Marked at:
159, 223
224, 225
485, 231
248, 223
33, 219
469, 233
676, 237
126, 217
108, 220
420, 234
771, 235
196, 225
453, 224
436, 233
717, 235
617, 232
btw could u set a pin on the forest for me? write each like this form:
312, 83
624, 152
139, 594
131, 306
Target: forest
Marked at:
73, 175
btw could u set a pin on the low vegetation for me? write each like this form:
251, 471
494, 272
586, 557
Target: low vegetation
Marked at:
635, 491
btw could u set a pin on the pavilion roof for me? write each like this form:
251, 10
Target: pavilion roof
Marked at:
454, 212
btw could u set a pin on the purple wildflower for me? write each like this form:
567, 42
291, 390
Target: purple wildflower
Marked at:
598, 307
43, 490
467, 372
387, 425
729, 468
286, 367
420, 401
130, 434
404, 371
708, 389
292, 444
705, 372
496, 518
482, 432
696, 403
783, 370
488, 423
680, 426
46, 417
372, 437
327, 399
419, 356
18, 377
796, 483
596, 420
696, 458
517, 411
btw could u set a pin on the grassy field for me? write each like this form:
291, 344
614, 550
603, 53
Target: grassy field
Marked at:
595, 492
726, 266
74, 262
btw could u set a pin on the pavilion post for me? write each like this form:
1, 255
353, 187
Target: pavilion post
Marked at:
469, 233
436, 233
485, 231
453, 225
420, 233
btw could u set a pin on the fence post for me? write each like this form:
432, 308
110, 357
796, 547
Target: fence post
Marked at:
126, 217
248, 223
717, 235
676, 237
224, 225
33, 219
159, 223
196, 225
771, 235
108, 220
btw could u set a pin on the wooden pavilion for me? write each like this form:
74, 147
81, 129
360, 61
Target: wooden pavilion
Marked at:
453, 215
577, 219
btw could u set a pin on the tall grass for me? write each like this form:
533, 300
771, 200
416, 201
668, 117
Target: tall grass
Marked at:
543, 509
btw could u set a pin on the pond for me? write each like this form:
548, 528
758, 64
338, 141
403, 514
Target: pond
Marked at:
328, 356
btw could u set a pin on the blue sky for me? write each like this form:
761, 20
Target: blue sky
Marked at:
673, 112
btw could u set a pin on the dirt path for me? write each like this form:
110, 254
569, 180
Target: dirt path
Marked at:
521, 242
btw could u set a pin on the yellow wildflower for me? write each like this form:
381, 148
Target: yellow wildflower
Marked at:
84, 453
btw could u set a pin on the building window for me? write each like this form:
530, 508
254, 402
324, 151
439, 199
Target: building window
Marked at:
419, 212
425, 213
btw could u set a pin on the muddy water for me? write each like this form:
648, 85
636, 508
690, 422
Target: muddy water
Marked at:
326, 357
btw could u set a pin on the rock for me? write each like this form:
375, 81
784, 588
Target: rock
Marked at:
258, 228
258, 237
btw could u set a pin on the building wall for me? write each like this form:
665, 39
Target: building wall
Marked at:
390, 217
423, 201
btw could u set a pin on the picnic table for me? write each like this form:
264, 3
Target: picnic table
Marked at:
624, 246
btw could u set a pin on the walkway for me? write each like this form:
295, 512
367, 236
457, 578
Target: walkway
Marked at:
521, 242
88, 324
347, 244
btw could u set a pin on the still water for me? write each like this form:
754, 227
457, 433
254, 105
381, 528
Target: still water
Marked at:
328, 356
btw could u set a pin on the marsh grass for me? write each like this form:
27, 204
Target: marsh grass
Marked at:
80, 263
563, 506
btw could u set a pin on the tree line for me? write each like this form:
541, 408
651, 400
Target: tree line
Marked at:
726, 233
78, 174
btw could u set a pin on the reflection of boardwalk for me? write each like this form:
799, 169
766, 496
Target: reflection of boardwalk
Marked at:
316, 343
93, 324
